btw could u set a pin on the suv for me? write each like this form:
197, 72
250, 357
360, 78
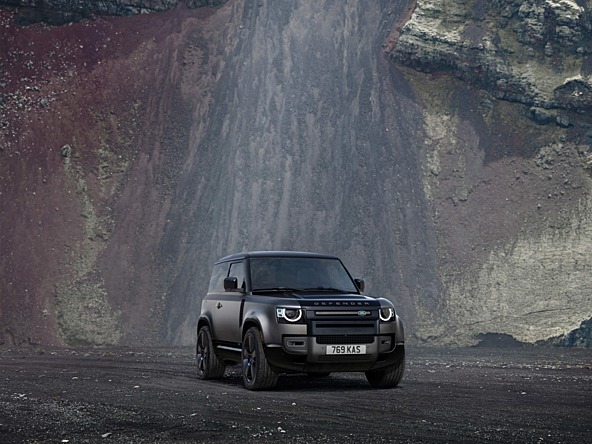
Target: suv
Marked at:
283, 312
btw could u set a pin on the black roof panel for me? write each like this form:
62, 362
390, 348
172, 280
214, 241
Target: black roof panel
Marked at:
244, 255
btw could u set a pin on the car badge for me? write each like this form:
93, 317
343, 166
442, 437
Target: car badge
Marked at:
363, 313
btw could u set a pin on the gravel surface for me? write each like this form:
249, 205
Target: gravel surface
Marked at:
152, 395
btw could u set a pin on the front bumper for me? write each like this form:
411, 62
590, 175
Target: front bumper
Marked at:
309, 354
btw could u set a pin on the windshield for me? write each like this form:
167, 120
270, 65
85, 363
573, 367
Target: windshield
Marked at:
299, 273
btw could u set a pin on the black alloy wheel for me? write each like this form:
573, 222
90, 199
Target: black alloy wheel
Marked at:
257, 374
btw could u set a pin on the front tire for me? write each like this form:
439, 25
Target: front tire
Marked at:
209, 366
257, 374
388, 377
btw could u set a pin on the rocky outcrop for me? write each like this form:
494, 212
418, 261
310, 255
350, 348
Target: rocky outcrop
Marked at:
580, 337
59, 12
535, 52
511, 198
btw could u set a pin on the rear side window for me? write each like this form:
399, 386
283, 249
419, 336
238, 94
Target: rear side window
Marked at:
217, 280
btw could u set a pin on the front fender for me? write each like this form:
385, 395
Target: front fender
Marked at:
264, 318
399, 331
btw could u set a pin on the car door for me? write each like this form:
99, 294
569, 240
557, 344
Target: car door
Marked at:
227, 310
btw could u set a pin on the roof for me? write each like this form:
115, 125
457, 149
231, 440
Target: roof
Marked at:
248, 254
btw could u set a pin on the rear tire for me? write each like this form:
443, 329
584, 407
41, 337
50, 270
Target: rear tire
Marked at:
257, 374
209, 366
388, 377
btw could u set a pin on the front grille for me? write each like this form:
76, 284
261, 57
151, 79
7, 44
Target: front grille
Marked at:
355, 313
343, 328
344, 339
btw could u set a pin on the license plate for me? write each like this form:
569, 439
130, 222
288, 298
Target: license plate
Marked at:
346, 349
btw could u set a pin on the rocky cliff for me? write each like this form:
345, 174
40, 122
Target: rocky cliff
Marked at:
507, 93
441, 148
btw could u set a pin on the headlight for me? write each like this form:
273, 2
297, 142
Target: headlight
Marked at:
387, 314
291, 315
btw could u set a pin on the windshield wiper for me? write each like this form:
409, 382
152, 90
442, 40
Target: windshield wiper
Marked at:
278, 289
331, 289
283, 289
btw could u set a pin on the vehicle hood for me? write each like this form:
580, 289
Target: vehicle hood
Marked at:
334, 299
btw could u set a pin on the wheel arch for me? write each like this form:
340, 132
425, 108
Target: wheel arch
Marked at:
204, 321
252, 322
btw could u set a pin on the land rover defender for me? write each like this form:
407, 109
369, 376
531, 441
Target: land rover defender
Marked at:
281, 312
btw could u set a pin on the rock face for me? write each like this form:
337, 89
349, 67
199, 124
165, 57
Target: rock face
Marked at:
59, 12
511, 200
93, 133
533, 52
442, 149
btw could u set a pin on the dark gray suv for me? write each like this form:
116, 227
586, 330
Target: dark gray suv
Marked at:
279, 312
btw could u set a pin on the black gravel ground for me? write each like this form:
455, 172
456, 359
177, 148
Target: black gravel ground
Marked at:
530, 395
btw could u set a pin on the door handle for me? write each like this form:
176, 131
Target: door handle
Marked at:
218, 305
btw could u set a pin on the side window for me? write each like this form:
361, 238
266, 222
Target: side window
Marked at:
217, 280
237, 270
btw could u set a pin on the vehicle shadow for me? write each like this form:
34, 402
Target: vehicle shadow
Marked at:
306, 383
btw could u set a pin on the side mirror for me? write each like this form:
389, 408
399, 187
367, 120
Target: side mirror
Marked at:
360, 284
230, 284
